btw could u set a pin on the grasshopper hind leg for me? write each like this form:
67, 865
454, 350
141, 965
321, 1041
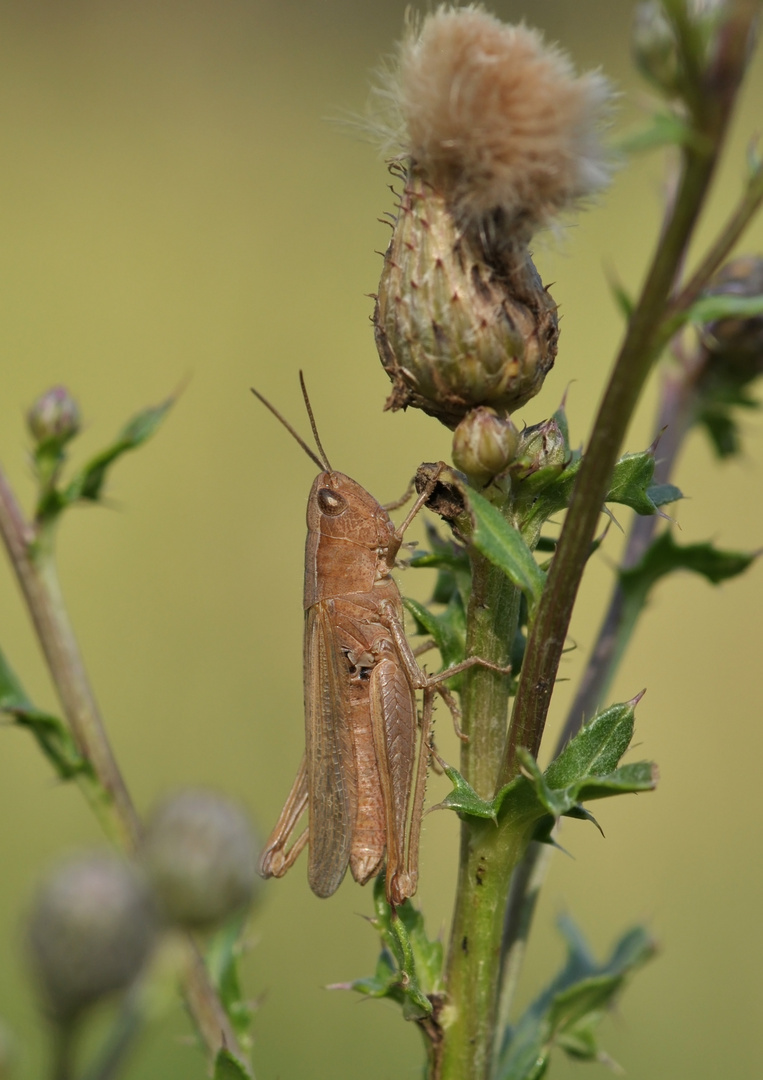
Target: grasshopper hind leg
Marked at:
276, 857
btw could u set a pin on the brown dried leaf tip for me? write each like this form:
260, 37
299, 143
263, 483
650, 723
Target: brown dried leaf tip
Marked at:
498, 136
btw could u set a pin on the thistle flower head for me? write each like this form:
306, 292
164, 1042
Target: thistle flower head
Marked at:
496, 119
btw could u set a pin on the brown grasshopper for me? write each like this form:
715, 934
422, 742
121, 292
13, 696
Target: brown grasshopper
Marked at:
361, 778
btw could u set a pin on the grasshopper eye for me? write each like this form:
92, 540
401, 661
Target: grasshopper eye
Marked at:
331, 502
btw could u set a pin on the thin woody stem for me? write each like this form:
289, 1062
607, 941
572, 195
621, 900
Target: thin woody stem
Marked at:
674, 421
648, 332
31, 555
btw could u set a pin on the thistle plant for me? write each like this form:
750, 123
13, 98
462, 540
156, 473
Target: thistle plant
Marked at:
492, 137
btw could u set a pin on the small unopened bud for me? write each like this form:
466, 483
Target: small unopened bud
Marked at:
200, 856
484, 444
91, 929
735, 345
542, 454
655, 48
54, 417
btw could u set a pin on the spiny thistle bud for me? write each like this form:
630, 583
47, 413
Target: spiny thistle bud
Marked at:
54, 418
91, 929
484, 444
199, 853
452, 330
542, 454
497, 136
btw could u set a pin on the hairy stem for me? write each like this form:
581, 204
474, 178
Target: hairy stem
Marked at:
488, 853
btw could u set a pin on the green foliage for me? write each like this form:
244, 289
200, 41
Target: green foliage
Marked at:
631, 486
663, 129
505, 547
223, 956
88, 482
52, 735
228, 1067
716, 415
448, 629
664, 556
567, 1013
409, 968
588, 768
714, 306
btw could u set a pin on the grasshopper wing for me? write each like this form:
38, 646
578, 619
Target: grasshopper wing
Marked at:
331, 780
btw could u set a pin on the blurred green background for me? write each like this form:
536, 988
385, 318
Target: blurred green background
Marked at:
176, 210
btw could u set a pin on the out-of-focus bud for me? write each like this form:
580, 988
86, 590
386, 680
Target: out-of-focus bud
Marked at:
91, 929
542, 454
54, 418
453, 329
200, 856
484, 444
654, 46
735, 345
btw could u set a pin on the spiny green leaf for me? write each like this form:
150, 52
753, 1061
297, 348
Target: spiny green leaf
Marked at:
596, 749
567, 1013
588, 769
385, 982
228, 1067
722, 429
504, 546
631, 486
626, 780
464, 799
663, 494
448, 628
664, 556
631, 481
222, 956
416, 1004
410, 964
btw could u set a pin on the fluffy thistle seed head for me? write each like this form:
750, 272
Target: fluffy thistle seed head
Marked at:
498, 136
496, 118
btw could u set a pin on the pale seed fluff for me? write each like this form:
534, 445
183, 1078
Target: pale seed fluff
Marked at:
497, 120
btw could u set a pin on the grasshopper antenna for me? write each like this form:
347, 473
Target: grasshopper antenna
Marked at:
313, 425
322, 465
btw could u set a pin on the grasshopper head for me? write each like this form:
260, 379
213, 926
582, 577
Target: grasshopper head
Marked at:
341, 509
